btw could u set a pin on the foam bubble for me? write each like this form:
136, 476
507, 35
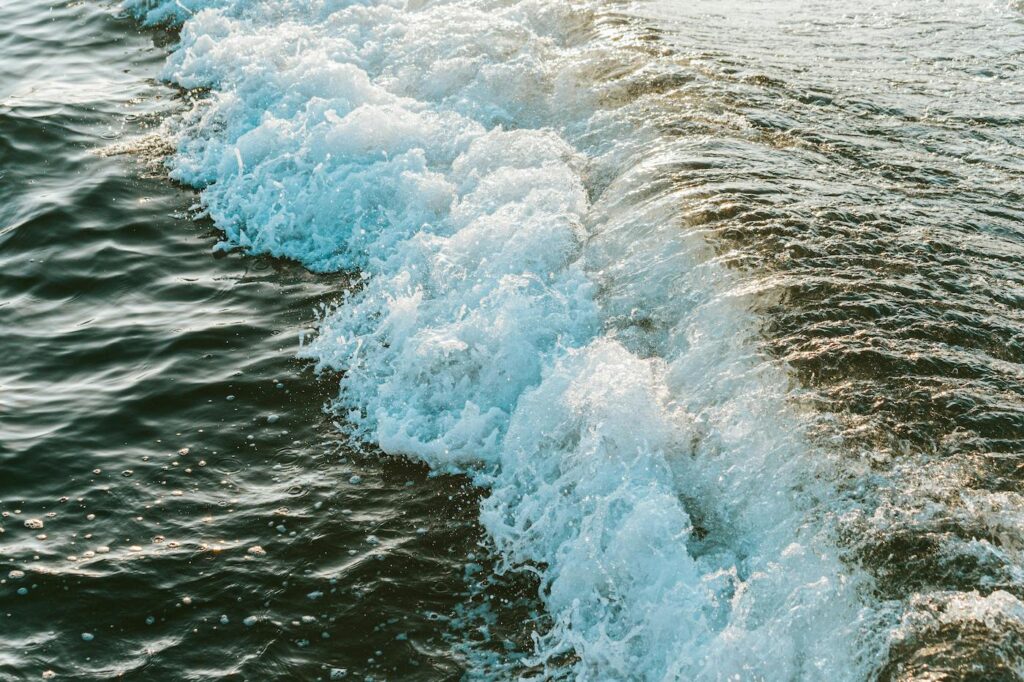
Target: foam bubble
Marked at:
530, 314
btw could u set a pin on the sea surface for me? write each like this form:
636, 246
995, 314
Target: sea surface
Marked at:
511, 339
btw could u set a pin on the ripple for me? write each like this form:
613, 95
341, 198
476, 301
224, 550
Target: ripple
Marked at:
124, 336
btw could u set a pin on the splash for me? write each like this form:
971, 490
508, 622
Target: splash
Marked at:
532, 314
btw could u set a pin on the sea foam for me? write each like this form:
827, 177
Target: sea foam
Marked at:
532, 314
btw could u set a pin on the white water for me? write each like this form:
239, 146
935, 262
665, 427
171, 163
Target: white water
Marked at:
532, 314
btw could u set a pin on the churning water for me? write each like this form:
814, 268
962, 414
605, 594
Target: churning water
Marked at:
636, 341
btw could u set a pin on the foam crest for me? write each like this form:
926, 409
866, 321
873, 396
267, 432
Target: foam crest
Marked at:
530, 315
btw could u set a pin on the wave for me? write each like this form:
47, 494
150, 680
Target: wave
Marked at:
532, 312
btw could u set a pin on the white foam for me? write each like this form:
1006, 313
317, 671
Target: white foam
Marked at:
576, 355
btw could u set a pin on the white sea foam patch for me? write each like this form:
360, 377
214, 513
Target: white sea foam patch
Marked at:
574, 354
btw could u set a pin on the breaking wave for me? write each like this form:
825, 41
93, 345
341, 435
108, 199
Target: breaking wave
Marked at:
532, 312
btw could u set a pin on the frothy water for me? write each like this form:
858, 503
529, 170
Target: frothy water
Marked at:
715, 305
871, 197
173, 502
532, 315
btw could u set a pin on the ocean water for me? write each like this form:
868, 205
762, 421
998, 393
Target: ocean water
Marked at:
124, 342
504, 339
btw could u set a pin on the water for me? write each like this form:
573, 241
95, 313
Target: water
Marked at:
124, 342
696, 327
874, 194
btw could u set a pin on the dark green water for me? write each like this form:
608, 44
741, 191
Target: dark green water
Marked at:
793, 273
125, 344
